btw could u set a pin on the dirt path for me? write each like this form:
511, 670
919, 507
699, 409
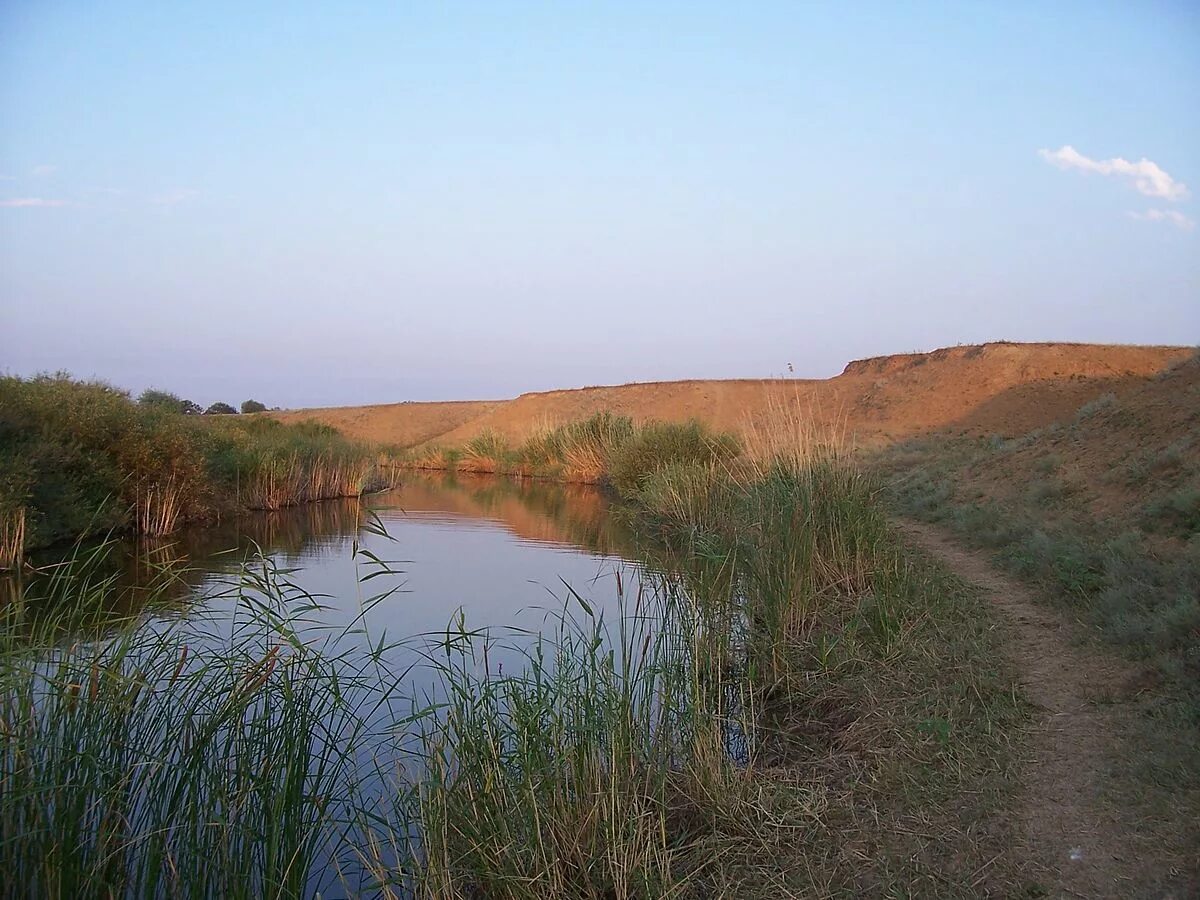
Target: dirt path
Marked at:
1080, 841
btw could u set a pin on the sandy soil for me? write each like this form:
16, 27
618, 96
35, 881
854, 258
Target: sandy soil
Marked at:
401, 424
998, 388
1108, 457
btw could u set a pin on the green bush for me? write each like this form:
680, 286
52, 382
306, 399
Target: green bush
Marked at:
253, 406
81, 458
1177, 513
168, 402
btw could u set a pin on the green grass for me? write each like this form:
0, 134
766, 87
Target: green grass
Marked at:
155, 761
804, 689
799, 709
1115, 574
601, 449
1130, 578
81, 458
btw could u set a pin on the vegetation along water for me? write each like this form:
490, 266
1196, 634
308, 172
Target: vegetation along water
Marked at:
773, 698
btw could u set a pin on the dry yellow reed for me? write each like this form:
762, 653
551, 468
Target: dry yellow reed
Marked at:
12, 538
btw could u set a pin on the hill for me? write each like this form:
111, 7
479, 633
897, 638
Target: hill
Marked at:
399, 424
996, 388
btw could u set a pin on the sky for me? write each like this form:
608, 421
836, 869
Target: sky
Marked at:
373, 202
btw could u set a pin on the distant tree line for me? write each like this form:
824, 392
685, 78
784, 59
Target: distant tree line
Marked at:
174, 403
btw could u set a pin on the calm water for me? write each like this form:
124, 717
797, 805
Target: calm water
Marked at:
501, 551
508, 555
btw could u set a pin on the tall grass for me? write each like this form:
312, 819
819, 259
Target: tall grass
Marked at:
601, 449
585, 771
720, 732
178, 758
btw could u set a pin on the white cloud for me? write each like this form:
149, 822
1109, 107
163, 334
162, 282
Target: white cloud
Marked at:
1147, 177
1176, 218
39, 171
174, 197
30, 201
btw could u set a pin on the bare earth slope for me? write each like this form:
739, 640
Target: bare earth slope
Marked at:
991, 388
401, 424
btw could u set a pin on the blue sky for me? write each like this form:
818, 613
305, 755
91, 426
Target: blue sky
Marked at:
378, 202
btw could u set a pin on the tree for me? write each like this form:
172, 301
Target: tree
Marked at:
253, 406
167, 401
220, 409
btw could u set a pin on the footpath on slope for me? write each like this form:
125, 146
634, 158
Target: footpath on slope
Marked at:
1080, 839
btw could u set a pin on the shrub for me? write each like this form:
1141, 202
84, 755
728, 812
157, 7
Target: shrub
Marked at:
253, 406
167, 401
1177, 513
220, 409
80, 458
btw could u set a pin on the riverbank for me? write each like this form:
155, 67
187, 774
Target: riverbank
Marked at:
803, 707
81, 458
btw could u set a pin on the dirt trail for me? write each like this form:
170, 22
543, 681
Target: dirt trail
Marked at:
1080, 841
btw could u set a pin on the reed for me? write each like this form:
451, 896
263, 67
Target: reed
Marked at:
589, 771
12, 538
159, 506
164, 761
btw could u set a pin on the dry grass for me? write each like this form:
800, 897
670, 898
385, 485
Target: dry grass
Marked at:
795, 432
12, 537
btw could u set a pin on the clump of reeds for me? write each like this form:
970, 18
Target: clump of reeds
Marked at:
169, 760
280, 482
603, 448
592, 767
159, 506
12, 537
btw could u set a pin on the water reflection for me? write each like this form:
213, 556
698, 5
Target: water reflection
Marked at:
488, 545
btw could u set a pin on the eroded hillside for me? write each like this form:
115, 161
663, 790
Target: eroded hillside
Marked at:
998, 388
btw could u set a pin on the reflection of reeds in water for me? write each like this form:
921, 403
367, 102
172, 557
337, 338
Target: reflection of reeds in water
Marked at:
12, 537
305, 530
533, 509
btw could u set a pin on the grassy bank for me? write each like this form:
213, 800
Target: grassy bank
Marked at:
81, 458
1101, 515
1100, 512
601, 448
801, 709
808, 712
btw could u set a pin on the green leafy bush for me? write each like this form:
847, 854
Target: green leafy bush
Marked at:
81, 458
